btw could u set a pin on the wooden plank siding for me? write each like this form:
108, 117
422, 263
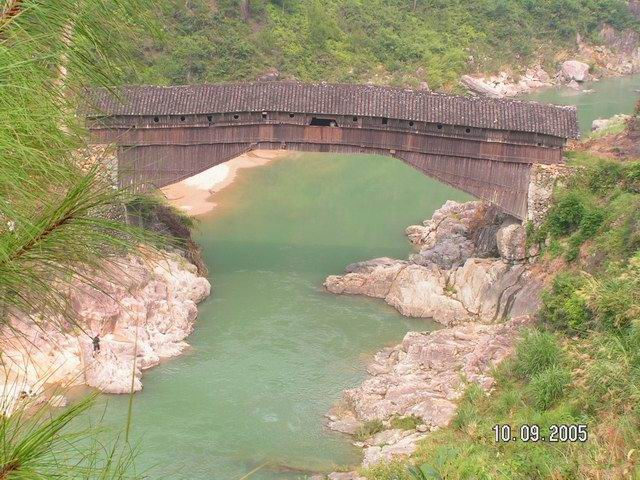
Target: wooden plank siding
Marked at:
166, 134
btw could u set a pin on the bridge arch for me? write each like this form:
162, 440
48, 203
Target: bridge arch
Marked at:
483, 147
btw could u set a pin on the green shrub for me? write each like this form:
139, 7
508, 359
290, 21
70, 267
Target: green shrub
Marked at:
394, 470
613, 378
616, 299
508, 400
566, 214
548, 386
591, 222
564, 306
465, 415
573, 247
536, 351
424, 472
631, 181
369, 428
405, 423
605, 176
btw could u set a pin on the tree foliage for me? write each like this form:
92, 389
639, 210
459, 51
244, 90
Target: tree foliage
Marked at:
384, 41
60, 212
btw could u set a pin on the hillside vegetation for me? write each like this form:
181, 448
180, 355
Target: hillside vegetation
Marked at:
401, 42
581, 365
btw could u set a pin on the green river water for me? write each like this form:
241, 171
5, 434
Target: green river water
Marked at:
272, 351
609, 97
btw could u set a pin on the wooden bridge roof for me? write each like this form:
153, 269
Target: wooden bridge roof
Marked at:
334, 99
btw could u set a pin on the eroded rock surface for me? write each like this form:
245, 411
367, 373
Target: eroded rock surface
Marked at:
543, 180
424, 376
142, 308
505, 84
469, 267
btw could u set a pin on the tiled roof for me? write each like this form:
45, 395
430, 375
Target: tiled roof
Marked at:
328, 99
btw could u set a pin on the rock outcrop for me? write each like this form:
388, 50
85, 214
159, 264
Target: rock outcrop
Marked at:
505, 84
574, 70
481, 86
472, 272
141, 310
619, 54
543, 180
601, 124
469, 267
423, 376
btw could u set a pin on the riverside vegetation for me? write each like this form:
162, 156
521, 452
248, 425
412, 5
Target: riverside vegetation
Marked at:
386, 42
580, 365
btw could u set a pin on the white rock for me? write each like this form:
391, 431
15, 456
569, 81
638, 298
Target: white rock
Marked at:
152, 299
427, 380
574, 70
348, 424
403, 448
387, 437
479, 86
419, 291
574, 86
603, 123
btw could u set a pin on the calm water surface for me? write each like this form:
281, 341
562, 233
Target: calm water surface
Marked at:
609, 97
272, 351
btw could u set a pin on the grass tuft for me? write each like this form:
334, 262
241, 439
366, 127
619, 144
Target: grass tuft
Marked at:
536, 351
368, 429
547, 386
405, 423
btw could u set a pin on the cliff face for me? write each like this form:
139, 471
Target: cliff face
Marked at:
140, 308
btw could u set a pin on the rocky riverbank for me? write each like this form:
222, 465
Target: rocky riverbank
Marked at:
472, 264
619, 54
141, 308
473, 273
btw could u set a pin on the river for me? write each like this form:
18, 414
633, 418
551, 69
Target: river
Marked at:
272, 351
609, 97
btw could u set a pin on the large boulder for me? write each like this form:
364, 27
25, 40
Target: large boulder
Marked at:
419, 291
450, 251
372, 278
149, 300
457, 275
480, 87
574, 70
512, 241
484, 286
271, 75
455, 232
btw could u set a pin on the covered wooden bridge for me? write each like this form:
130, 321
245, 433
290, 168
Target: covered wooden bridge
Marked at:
482, 146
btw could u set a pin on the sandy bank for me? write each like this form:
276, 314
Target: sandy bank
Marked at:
194, 195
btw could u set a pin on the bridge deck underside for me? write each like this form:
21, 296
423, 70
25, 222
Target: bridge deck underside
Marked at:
490, 169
